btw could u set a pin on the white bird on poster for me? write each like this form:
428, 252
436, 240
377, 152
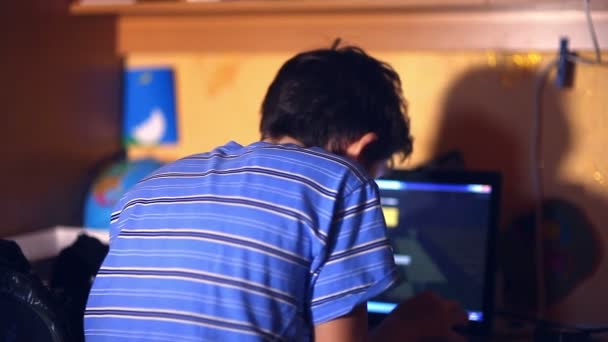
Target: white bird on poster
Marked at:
152, 130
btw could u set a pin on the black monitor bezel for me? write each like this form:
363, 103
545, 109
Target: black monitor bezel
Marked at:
493, 179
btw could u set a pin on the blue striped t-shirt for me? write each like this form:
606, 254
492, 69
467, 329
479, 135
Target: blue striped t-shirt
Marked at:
250, 243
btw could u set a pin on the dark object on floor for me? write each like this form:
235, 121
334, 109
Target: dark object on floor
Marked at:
29, 312
11, 257
72, 277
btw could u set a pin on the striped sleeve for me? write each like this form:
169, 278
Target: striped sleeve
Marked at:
358, 261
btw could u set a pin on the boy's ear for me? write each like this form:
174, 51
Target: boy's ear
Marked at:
355, 149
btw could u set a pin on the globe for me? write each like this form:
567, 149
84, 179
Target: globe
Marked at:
110, 186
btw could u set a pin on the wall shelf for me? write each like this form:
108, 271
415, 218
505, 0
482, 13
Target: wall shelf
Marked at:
290, 25
211, 7
269, 7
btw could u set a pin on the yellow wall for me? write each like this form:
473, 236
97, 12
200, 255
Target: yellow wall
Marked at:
479, 102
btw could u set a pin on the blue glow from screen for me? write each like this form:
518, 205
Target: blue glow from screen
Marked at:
385, 308
387, 184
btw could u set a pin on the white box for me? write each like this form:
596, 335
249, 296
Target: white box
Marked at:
48, 243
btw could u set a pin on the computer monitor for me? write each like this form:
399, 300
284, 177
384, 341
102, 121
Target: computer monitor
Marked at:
442, 226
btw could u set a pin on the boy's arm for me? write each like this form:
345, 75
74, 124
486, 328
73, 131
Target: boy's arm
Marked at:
351, 327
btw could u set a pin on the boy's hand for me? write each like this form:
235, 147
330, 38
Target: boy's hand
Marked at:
424, 317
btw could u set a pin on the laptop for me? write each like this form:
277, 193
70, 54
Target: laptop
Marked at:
442, 226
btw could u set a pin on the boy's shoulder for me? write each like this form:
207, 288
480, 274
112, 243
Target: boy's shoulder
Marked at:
314, 164
292, 155
283, 154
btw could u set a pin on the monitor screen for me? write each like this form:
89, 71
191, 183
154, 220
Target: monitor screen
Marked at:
441, 227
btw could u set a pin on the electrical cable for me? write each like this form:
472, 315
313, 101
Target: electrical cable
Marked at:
536, 154
537, 177
596, 45
537, 180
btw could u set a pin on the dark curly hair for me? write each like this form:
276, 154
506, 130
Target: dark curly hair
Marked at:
331, 97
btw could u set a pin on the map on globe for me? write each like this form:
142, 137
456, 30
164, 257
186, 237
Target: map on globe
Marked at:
110, 186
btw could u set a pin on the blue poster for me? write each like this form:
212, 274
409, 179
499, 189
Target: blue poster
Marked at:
149, 116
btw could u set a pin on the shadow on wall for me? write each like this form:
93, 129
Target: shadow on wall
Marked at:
487, 119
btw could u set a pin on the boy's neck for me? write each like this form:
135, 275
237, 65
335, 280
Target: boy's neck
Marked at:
283, 140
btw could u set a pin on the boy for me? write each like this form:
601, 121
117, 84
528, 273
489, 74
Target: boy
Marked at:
283, 239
